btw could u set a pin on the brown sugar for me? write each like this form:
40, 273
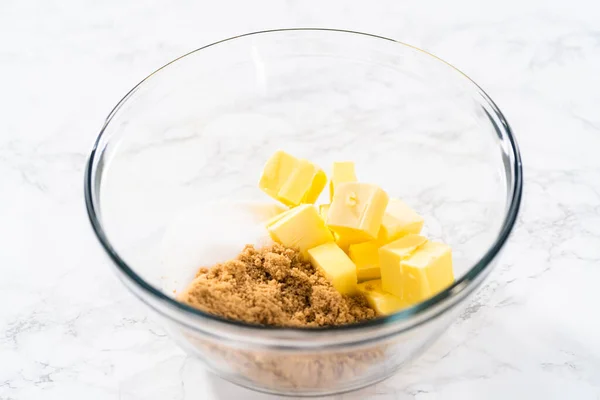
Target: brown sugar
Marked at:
273, 286
281, 371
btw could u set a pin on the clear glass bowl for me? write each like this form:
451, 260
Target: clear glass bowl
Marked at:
199, 130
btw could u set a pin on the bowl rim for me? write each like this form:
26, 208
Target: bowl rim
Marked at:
463, 286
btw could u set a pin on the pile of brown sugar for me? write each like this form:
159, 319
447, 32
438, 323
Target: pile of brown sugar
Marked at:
274, 286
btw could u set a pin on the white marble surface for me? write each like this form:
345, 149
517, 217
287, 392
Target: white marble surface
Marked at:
68, 328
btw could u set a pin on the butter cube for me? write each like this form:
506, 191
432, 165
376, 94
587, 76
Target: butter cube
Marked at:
366, 258
291, 180
356, 211
341, 172
301, 228
390, 262
276, 172
343, 242
304, 184
323, 210
382, 302
284, 214
335, 265
340, 241
399, 220
426, 272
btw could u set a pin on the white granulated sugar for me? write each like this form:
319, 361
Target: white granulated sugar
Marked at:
208, 234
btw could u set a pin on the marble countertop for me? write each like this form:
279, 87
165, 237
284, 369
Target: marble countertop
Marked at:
69, 329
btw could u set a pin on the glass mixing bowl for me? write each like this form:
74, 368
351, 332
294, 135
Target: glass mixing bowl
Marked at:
198, 131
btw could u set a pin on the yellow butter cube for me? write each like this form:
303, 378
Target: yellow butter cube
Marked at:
335, 265
304, 184
381, 301
399, 220
276, 172
426, 272
279, 216
291, 180
356, 211
340, 241
366, 258
301, 228
390, 259
341, 172
323, 210
343, 242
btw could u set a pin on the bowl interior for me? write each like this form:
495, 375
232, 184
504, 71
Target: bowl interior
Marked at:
197, 133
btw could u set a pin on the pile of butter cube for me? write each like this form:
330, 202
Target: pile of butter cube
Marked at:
362, 241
